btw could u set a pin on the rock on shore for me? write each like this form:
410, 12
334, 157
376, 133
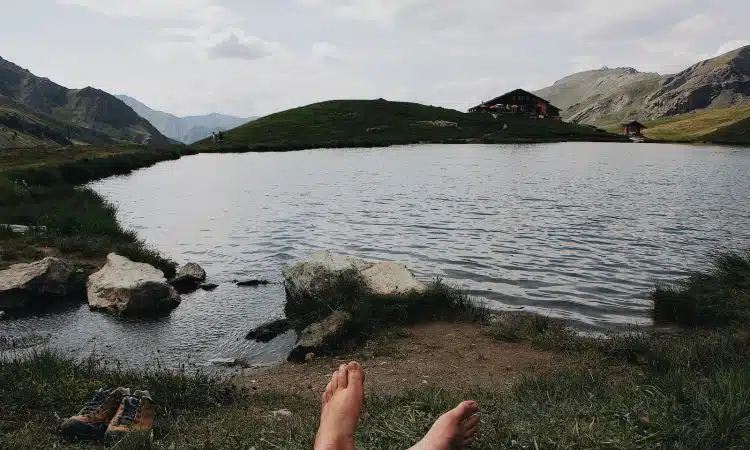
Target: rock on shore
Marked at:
23, 284
318, 336
129, 288
189, 278
320, 275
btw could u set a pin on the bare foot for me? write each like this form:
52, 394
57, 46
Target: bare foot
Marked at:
342, 403
455, 429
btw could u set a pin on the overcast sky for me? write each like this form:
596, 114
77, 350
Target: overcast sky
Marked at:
252, 57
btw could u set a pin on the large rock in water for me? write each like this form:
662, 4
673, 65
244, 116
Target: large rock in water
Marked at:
126, 287
22, 284
319, 336
189, 278
320, 275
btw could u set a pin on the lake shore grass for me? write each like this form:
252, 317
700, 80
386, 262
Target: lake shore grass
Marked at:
686, 387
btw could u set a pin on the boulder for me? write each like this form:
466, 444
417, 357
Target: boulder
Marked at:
23, 284
129, 288
269, 331
189, 278
320, 335
209, 286
324, 276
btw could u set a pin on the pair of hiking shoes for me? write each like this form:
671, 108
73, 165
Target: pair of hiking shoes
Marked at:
112, 415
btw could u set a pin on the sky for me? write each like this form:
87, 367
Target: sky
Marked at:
251, 57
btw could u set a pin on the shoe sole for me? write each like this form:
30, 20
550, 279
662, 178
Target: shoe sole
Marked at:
73, 429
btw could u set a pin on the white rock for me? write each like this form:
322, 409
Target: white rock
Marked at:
21, 284
307, 276
126, 287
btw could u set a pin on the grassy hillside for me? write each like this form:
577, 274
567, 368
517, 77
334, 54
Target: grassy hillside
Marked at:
370, 123
696, 125
737, 133
23, 127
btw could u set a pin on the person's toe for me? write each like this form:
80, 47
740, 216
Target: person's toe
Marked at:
355, 374
343, 376
324, 397
472, 422
465, 410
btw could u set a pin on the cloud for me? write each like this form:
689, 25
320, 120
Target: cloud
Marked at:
326, 51
197, 10
247, 48
731, 45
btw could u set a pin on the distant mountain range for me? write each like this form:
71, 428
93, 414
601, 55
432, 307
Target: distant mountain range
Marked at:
185, 129
606, 97
35, 111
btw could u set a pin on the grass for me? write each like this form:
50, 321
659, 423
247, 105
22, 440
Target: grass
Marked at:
40, 188
699, 125
719, 297
686, 390
374, 123
371, 313
737, 133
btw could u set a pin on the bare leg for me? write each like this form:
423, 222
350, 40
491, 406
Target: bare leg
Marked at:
455, 429
342, 403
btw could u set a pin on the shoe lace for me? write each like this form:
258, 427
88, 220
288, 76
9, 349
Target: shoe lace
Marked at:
130, 411
96, 401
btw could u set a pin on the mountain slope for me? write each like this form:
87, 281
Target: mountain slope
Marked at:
368, 123
715, 83
86, 115
607, 97
184, 129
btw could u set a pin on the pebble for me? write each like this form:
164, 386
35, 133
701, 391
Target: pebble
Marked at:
281, 413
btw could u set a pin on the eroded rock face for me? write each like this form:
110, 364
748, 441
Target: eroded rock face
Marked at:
189, 278
318, 336
129, 288
326, 275
23, 284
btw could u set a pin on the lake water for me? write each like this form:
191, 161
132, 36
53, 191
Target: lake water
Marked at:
579, 231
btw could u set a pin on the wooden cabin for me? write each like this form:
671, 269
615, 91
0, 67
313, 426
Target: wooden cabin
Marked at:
633, 128
519, 102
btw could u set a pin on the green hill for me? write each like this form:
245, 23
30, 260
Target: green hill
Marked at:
695, 126
737, 133
368, 123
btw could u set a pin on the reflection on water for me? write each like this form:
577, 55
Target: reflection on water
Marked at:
578, 231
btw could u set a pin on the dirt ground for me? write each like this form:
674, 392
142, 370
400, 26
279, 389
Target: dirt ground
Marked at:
452, 356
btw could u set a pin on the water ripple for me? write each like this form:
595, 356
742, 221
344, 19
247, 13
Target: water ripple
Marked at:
576, 231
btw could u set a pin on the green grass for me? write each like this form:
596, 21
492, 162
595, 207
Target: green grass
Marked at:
737, 133
719, 297
702, 125
373, 123
41, 190
372, 313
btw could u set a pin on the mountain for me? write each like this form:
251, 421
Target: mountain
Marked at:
607, 96
185, 129
371, 123
37, 110
602, 96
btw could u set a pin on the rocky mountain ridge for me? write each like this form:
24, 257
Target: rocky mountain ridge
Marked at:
38, 108
608, 96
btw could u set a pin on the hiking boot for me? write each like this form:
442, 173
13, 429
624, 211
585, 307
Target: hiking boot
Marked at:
136, 414
92, 421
